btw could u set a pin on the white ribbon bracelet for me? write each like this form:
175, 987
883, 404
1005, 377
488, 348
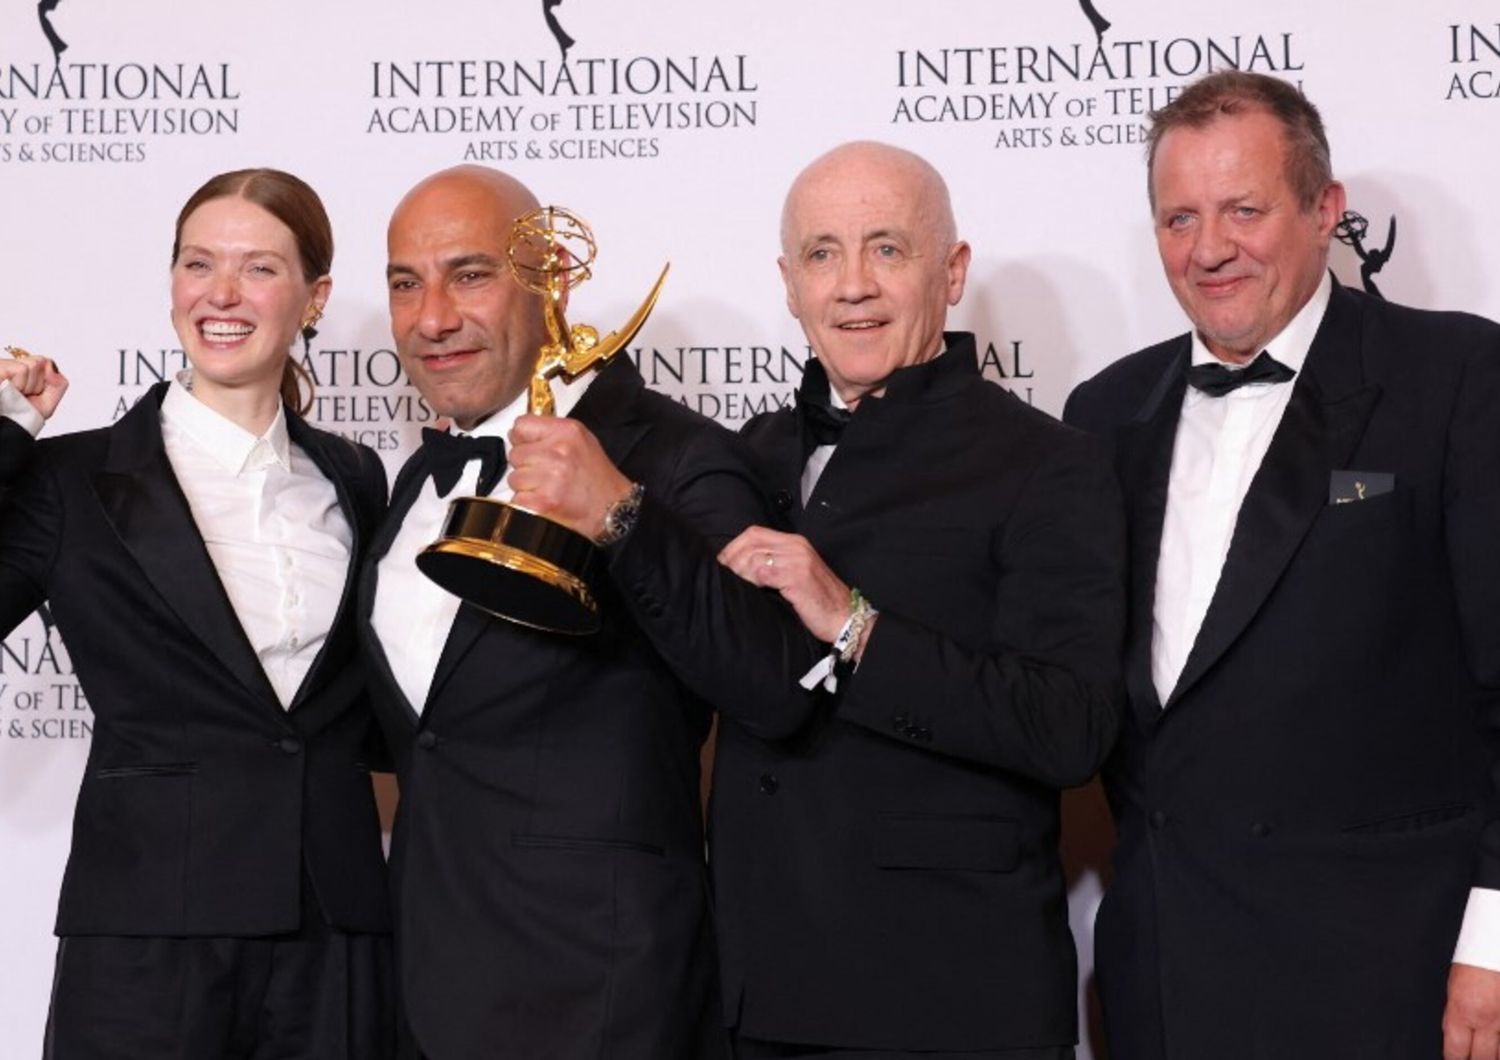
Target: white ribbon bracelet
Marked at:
860, 613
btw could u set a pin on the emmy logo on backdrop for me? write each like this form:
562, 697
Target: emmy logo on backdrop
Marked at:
1099, 22
511, 562
44, 11
1351, 231
564, 41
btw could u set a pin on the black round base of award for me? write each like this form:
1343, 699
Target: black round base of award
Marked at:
516, 565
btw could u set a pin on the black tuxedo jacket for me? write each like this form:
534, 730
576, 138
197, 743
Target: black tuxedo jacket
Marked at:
203, 799
547, 860
886, 875
1300, 826
15, 448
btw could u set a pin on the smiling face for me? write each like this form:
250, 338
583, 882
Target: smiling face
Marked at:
870, 263
468, 335
1241, 253
239, 296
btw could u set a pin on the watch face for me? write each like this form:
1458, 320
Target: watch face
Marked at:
622, 515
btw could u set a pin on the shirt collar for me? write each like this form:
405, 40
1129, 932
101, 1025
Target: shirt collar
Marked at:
931, 379
564, 396
232, 447
1292, 344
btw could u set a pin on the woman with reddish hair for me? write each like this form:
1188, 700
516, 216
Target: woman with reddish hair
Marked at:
225, 892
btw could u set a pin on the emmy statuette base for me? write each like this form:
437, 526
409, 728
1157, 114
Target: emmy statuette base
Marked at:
516, 565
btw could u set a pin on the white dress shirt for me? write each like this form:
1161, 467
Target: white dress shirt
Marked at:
412, 615
1221, 442
272, 526
14, 406
1220, 445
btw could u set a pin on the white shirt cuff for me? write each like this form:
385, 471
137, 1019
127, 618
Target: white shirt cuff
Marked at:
14, 406
1479, 938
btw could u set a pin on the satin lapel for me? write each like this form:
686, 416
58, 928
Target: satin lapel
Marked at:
611, 409
409, 482
1322, 426
144, 504
608, 408
785, 462
1145, 464
336, 472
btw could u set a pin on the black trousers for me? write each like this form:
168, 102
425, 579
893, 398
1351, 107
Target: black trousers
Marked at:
753, 1049
317, 994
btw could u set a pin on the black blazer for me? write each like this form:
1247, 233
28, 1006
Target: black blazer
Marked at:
15, 448
1299, 828
203, 799
886, 874
547, 860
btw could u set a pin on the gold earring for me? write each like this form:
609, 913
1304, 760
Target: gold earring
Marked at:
312, 316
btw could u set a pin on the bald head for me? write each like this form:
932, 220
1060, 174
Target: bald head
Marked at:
467, 333
871, 263
848, 163
497, 194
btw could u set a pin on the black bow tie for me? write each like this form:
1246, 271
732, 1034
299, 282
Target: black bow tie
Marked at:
825, 424
447, 455
1215, 380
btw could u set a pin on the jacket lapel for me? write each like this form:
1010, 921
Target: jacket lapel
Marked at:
1145, 463
144, 504
339, 473
784, 462
1324, 421
409, 482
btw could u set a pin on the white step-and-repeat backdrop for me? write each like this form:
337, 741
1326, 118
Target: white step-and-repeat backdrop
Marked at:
674, 127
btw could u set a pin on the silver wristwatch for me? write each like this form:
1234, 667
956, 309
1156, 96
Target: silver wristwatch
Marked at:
620, 517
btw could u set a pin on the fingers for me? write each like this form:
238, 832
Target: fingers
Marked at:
1471, 1021
558, 443
774, 560
26, 373
559, 469
54, 386
557, 431
753, 555
756, 539
36, 378
1456, 1041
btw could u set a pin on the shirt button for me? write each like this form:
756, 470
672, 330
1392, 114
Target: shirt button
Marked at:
427, 740
1158, 819
290, 744
769, 783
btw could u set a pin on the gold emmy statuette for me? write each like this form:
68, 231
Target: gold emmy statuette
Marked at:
511, 562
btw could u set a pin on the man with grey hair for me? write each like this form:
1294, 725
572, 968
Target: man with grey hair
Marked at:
886, 876
1309, 837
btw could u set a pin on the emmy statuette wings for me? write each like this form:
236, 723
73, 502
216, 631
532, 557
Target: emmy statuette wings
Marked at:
509, 561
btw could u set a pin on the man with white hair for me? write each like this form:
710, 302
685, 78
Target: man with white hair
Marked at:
886, 877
